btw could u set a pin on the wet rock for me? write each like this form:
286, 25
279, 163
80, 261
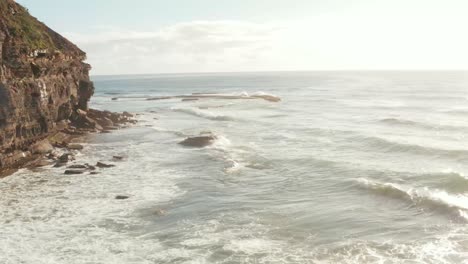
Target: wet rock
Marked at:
115, 99
199, 141
103, 165
77, 166
64, 158
41, 163
73, 172
75, 146
122, 197
127, 114
105, 122
94, 173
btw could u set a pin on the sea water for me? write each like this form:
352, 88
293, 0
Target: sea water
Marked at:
350, 167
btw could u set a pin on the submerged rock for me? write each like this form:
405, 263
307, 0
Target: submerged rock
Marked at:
73, 172
103, 165
199, 141
119, 158
77, 167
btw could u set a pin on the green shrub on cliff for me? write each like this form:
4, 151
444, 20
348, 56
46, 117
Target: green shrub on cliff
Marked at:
22, 26
31, 34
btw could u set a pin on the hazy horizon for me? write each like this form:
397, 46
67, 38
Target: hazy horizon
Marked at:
254, 36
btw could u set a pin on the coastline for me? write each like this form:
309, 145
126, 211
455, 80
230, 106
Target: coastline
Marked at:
56, 147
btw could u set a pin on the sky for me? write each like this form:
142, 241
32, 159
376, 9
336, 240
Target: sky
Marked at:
175, 36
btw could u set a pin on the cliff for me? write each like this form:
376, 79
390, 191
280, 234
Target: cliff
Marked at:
44, 83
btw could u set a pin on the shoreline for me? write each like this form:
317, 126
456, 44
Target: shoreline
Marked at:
56, 147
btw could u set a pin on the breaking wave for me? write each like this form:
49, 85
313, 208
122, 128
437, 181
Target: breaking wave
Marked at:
392, 146
422, 125
203, 114
437, 200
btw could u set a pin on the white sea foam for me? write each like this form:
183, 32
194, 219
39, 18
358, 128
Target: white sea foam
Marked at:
203, 114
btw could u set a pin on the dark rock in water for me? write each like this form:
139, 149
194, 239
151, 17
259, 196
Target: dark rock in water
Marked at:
115, 99
75, 146
118, 158
94, 173
90, 167
121, 197
198, 142
78, 167
103, 165
73, 172
59, 164
65, 158
127, 114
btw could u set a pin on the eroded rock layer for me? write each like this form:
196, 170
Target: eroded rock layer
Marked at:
43, 82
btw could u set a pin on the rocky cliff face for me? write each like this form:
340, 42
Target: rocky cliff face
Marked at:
43, 82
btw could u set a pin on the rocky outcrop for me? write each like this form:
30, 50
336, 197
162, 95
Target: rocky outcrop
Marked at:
198, 141
44, 86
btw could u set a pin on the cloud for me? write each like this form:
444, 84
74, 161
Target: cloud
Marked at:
325, 42
200, 45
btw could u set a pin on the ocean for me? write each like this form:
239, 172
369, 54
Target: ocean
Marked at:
349, 167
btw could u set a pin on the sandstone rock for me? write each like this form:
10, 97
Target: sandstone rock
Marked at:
61, 125
41, 163
81, 112
199, 141
103, 165
42, 147
37, 86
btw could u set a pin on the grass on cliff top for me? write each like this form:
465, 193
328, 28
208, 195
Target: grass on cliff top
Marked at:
25, 27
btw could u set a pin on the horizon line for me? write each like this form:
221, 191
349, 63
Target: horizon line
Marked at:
284, 71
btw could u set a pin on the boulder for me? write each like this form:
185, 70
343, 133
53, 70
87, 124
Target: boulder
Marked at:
65, 158
199, 141
61, 125
42, 147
